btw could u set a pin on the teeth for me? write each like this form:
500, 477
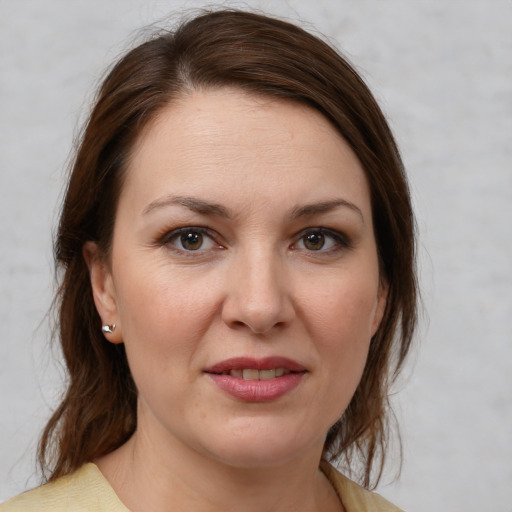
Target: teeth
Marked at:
267, 374
252, 374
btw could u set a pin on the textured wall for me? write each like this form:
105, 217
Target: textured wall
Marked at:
443, 73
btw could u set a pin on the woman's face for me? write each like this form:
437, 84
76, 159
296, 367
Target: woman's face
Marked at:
243, 278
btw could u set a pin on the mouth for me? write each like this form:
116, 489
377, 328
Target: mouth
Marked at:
246, 368
254, 374
257, 380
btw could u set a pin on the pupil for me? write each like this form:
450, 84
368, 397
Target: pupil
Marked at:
314, 241
192, 241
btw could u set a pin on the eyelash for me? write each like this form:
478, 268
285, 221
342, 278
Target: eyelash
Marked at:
171, 236
339, 240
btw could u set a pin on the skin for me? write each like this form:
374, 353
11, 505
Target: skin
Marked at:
261, 284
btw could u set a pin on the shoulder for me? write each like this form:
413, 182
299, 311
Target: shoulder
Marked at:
84, 490
354, 497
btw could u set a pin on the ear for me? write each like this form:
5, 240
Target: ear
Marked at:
382, 299
103, 290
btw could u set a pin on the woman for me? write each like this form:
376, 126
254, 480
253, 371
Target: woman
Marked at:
238, 289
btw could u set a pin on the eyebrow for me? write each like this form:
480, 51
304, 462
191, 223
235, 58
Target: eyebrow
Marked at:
208, 208
309, 210
192, 203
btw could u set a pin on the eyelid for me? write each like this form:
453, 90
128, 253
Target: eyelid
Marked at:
341, 240
170, 235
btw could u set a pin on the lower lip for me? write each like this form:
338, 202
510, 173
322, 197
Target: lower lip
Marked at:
257, 390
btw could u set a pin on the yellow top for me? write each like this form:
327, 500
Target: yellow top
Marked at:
87, 490
354, 497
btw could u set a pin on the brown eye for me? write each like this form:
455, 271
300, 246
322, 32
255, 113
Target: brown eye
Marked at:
191, 241
321, 240
314, 241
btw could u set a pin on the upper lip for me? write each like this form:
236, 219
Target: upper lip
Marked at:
266, 363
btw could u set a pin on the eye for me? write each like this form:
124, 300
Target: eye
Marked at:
190, 239
320, 240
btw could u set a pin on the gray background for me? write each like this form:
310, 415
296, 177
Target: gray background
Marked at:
442, 71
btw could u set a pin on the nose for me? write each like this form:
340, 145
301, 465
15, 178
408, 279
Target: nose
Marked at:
259, 296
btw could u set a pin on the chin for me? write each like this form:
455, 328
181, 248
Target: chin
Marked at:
271, 448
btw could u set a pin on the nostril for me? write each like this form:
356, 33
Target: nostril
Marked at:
258, 303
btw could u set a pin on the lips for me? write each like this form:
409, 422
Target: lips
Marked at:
256, 380
267, 363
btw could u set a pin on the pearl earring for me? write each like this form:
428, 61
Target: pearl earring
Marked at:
108, 329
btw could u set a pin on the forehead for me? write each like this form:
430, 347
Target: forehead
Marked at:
225, 140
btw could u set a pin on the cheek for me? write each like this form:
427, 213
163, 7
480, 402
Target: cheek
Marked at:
163, 317
344, 308
159, 297
341, 320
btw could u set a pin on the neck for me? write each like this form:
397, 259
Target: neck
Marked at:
149, 477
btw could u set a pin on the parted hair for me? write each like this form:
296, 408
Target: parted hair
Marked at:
263, 56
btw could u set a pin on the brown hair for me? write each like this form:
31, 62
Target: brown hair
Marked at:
260, 55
